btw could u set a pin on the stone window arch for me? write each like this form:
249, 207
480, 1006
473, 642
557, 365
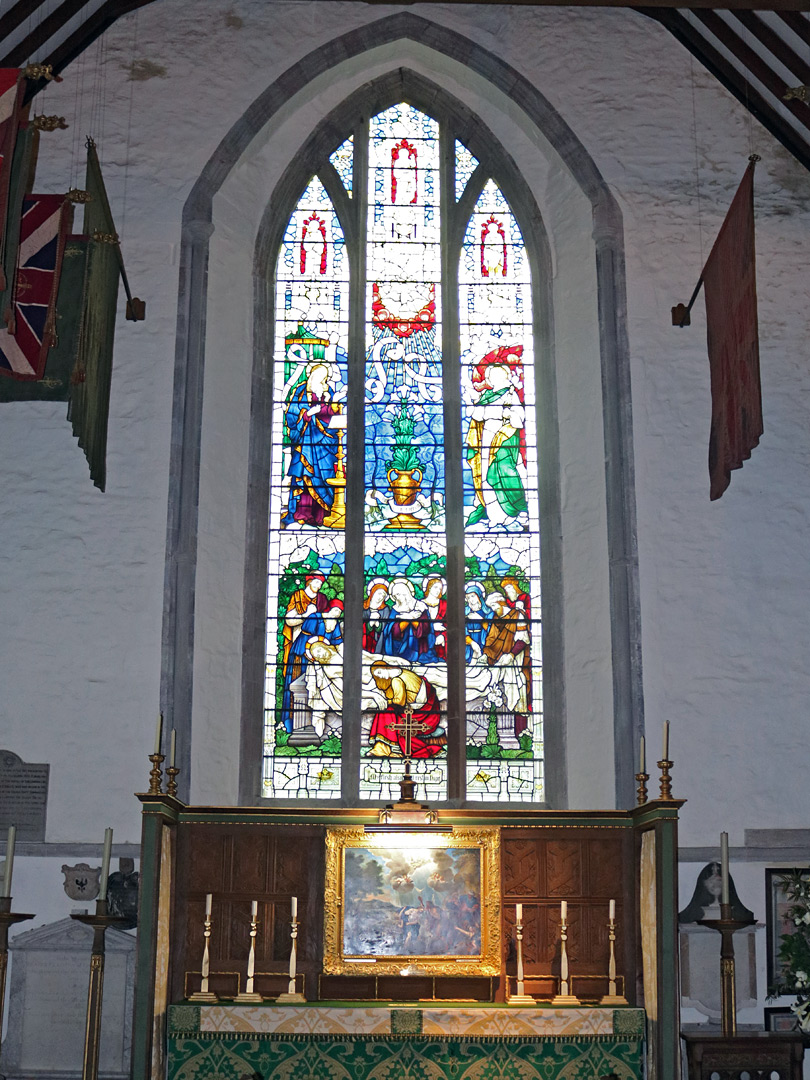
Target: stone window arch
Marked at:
203, 652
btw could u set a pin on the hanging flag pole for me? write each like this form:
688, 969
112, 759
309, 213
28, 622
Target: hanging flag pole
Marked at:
136, 309
730, 290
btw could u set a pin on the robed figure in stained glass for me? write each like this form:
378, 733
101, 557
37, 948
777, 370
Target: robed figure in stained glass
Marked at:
496, 442
402, 687
314, 442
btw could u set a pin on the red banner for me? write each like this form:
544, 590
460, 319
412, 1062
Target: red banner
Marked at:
730, 283
10, 100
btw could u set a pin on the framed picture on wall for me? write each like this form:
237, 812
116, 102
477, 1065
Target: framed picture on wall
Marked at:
776, 909
428, 902
780, 1019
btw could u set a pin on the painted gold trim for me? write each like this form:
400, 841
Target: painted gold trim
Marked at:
487, 840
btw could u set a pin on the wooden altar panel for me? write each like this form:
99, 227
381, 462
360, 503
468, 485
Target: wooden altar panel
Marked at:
587, 867
238, 864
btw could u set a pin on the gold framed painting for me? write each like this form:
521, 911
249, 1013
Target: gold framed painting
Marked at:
412, 903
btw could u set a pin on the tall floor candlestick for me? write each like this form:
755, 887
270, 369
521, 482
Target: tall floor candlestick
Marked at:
7, 919
100, 921
291, 996
564, 997
611, 997
249, 995
726, 926
204, 994
521, 997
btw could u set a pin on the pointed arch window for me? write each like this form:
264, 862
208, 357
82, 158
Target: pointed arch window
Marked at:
404, 514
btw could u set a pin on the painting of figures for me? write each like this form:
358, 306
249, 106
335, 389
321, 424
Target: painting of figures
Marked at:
412, 902
425, 900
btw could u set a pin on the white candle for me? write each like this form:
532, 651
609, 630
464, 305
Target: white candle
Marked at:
294, 907
254, 907
158, 733
208, 898
724, 867
10, 842
666, 740
105, 865
642, 756
173, 748
564, 911
612, 910
519, 912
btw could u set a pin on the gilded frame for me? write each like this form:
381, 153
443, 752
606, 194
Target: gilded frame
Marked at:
486, 841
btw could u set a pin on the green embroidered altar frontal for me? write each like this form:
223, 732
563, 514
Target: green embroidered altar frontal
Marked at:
230, 1055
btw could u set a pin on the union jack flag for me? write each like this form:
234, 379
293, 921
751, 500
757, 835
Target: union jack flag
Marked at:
46, 220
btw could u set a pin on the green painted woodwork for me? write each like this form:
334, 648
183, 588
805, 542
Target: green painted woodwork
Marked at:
402, 1057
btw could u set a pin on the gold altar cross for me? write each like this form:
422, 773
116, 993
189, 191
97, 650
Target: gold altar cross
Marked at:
409, 727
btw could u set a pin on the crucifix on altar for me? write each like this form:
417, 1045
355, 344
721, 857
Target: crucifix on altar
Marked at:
409, 727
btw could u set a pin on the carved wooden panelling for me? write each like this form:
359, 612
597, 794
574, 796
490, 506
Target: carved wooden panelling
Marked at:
239, 864
587, 867
521, 870
564, 867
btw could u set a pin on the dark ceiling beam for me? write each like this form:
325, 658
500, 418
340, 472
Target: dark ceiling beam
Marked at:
714, 62
799, 26
754, 63
42, 32
775, 45
16, 15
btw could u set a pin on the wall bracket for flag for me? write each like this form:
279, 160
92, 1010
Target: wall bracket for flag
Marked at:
682, 313
136, 309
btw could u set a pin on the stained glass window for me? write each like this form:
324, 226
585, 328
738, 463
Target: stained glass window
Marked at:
457, 637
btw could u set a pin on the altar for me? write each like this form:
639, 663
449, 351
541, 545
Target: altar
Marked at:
403, 1043
223, 886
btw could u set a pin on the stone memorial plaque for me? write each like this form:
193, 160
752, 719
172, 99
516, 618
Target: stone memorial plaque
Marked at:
23, 796
50, 969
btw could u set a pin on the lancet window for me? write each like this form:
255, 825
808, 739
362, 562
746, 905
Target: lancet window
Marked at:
404, 530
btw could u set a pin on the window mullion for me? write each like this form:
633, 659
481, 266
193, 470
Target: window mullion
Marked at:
456, 725
355, 467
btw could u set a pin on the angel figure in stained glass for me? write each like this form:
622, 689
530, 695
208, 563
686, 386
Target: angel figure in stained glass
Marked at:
495, 442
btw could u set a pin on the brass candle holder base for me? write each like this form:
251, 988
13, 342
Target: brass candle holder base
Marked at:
290, 999
204, 995
520, 999
565, 999
246, 998
641, 790
613, 999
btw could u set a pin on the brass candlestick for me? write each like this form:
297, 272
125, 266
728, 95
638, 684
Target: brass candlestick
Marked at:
248, 995
156, 776
564, 997
726, 927
204, 994
7, 919
641, 790
171, 783
291, 996
521, 997
611, 997
666, 782
100, 921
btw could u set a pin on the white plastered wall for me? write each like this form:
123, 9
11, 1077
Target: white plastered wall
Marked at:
723, 586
